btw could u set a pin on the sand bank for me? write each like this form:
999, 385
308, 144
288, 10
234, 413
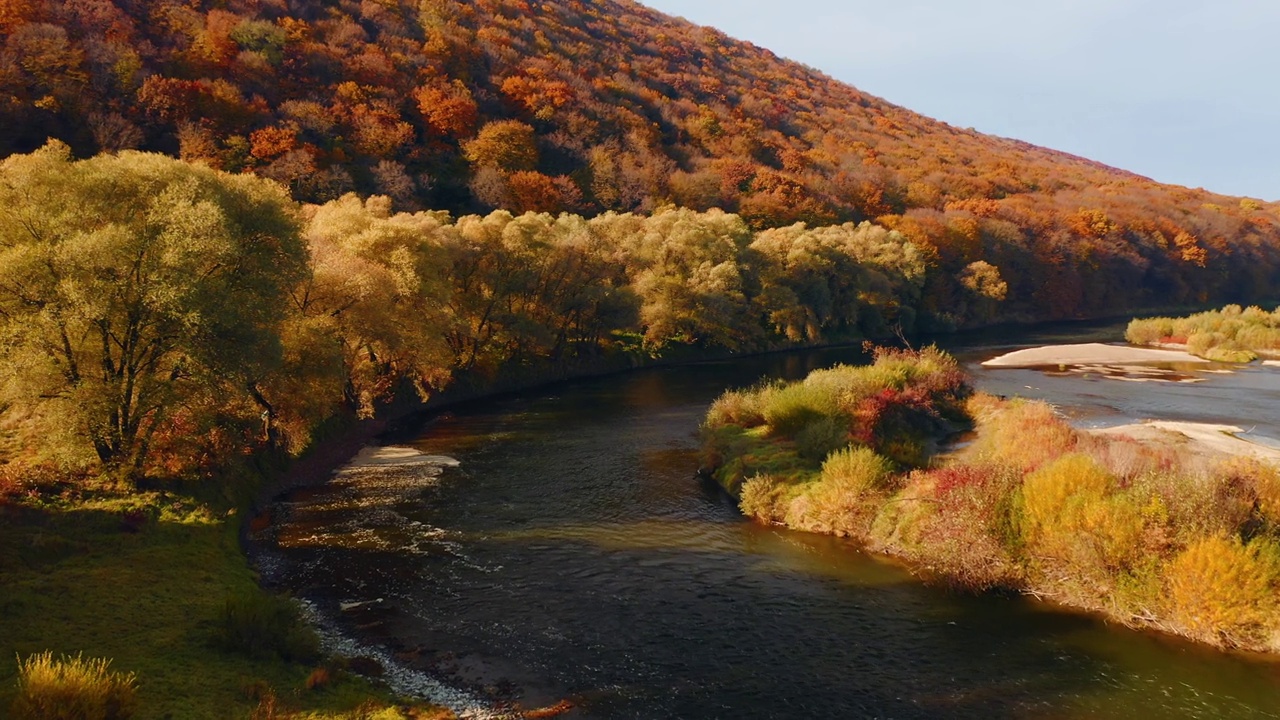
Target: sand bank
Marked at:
1202, 438
1091, 354
374, 456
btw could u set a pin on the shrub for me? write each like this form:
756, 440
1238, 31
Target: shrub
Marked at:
737, 407
1259, 337
789, 409
1129, 458
1249, 492
1070, 513
856, 469
762, 497
904, 401
822, 437
1228, 335
842, 500
1057, 492
1149, 331
955, 520
1222, 590
1021, 434
263, 626
1201, 504
11, 486
270, 708
901, 522
319, 679
1229, 353
20, 480
72, 688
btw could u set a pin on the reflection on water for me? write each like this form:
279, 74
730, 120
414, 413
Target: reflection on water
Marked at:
574, 542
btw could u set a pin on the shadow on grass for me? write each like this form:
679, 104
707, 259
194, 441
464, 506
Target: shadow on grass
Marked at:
141, 580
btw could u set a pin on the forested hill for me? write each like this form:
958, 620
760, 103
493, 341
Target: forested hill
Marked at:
598, 105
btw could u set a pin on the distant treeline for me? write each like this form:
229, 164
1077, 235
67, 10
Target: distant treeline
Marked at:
590, 107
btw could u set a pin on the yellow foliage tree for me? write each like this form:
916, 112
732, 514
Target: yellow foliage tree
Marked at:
135, 288
507, 145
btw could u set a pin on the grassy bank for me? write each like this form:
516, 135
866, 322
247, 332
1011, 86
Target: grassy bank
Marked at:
144, 579
1153, 534
1232, 334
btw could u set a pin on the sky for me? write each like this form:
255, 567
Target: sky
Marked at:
1182, 91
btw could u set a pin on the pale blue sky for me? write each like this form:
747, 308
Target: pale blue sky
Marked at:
1183, 91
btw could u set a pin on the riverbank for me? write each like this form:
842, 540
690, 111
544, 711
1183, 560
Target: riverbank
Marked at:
141, 576
1231, 334
144, 579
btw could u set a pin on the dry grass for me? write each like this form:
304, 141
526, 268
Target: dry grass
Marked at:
1023, 434
72, 688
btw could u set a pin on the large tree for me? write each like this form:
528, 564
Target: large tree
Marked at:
377, 298
134, 287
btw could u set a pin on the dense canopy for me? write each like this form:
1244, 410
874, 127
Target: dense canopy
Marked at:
595, 106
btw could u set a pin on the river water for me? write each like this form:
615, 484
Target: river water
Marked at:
571, 552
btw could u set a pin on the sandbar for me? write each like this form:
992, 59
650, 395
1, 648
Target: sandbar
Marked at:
1091, 354
374, 456
1201, 438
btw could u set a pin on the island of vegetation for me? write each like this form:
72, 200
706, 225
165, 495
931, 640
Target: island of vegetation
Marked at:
1150, 531
1232, 334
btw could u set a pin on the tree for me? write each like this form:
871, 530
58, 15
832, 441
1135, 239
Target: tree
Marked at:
687, 269
15, 12
378, 295
506, 145
132, 286
448, 109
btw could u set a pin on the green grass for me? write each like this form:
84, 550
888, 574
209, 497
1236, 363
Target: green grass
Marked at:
74, 580
738, 453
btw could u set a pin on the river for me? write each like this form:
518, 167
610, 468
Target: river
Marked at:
571, 552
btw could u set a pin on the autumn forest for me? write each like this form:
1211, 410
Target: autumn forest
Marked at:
586, 107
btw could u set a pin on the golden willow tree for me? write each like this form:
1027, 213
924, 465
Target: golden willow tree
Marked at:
134, 288
376, 300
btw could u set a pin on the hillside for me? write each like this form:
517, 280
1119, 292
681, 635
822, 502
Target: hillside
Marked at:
607, 105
